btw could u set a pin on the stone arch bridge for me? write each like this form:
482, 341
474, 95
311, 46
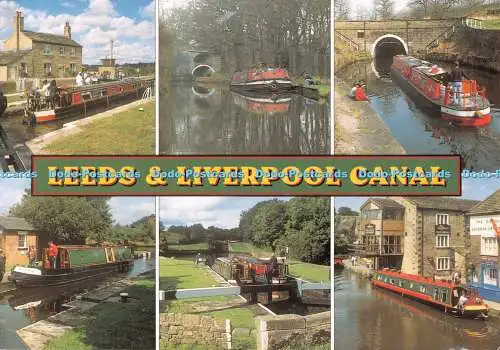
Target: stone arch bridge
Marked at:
201, 62
391, 37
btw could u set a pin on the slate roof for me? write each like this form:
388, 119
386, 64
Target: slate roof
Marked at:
13, 223
7, 57
384, 202
444, 203
489, 206
51, 38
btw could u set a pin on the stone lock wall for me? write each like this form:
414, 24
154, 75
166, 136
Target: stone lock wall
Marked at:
194, 329
275, 332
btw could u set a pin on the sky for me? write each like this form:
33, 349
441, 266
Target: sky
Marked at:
477, 189
94, 23
125, 210
223, 212
367, 5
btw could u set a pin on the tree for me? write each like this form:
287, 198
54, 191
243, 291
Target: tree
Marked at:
384, 8
70, 220
145, 229
346, 211
268, 224
341, 8
432, 8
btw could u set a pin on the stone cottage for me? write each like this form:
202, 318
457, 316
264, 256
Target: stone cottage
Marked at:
16, 235
39, 55
484, 259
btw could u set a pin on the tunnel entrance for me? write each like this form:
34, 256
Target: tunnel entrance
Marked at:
388, 46
202, 70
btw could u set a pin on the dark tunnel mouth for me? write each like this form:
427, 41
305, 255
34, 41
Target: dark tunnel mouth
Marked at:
389, 47
202, 71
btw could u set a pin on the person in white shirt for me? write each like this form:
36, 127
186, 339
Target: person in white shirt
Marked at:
87, 79
79, 79
462, 301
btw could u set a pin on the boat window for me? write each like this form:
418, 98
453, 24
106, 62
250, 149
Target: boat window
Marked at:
411, 285
436, 294
444, 296
392, 281
422, 289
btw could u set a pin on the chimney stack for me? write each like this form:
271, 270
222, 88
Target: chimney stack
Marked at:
18, 27
67, 30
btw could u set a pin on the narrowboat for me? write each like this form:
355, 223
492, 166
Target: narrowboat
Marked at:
66, 100
262, 78
438, 293
246, 270
74, 263
428, 86
264, 103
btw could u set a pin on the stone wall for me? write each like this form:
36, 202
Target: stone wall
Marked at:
194, 329
275, 332
411, 238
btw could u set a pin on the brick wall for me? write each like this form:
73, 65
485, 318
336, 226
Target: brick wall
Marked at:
275, 332
194, 329
10, 245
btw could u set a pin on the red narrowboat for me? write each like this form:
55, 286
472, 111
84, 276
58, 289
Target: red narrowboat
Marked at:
427, 85
451, 297
262, 78
269, 104
244, 269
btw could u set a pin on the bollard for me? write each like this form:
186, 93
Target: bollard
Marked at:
124, 297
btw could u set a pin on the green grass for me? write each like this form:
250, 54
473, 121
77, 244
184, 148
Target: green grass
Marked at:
240, 317
492, 24
15, 98
135, 129
116, 326
182, 274
309, 272
193, 246
245, 247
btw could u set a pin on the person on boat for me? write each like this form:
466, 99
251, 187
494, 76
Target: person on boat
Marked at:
79, 79
53, 254
456, 77
32, 255
462, 301
3, 103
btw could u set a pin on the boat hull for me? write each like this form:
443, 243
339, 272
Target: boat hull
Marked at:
270, 85
470, 312
464, 118
27, 280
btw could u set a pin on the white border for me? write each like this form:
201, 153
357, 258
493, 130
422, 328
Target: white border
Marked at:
332, 146
157, 199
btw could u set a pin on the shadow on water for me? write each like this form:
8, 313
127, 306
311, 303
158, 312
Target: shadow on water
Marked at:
420, 133
374, 319
215, 120
30, 305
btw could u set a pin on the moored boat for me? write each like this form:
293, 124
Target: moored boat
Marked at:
262, 78
262, 103
428, 86
74, 263
438, 293
244, 269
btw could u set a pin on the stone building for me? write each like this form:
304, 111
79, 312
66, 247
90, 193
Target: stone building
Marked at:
484, 233
39, 55
16, 236
418, 235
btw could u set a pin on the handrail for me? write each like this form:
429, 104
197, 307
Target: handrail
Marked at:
435, 41
347, 40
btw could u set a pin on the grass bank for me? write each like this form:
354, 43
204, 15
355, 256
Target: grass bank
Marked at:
193, 246
116, 326
128, 132
346, 55
182, 274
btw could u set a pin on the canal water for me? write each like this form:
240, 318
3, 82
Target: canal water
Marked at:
26, 306
215, 120
374, 319
420, 133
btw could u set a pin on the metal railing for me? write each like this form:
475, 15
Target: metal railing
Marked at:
351, 43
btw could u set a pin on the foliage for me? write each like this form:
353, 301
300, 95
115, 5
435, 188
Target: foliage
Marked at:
142, 230
66, 219
384, 8
346, 211
341, 8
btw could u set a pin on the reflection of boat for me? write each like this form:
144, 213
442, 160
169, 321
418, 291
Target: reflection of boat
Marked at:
262, 78
267, 103
425, 83
74, 263
441, 294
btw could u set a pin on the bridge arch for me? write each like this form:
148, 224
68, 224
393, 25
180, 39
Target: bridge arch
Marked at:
388, 38
202, 92
202, 70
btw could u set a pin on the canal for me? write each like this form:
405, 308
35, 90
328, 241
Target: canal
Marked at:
215, 120
26, 306
420, 133
373, 319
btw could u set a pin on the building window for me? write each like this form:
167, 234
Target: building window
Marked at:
442, 219
72, 67
442, 241
372, 214
61, 51
47, 68
47, 50
493, 274
73, 51
443, 264
489, 246
21, 240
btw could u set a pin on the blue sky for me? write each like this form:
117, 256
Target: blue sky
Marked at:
94, 23
477, 189
125, 210
209, 211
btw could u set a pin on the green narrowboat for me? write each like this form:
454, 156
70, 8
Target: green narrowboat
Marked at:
74, 263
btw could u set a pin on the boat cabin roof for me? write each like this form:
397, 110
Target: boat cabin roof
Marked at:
415, 278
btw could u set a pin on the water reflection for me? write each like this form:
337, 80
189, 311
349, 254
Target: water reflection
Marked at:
368, 318
214, 120
420, 133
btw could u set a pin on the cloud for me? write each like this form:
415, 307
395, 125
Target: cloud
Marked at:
94, 27
148, 11
126, 210
11, 192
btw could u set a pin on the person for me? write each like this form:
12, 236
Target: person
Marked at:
456, 78
86, 78
353, 91
462, 301
198, 258
2, 264
32, 255
3, 103
46, 91
79, 79
360, 94
53, 254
